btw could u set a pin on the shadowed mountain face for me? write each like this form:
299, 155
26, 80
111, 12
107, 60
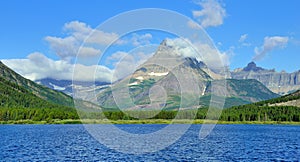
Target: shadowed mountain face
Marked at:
252, 67
67, 86
42, 92
162, 80
278, 82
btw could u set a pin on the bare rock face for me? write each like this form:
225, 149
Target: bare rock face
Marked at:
278, 82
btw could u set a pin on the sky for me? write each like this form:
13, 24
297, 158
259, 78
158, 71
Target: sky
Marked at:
40, 38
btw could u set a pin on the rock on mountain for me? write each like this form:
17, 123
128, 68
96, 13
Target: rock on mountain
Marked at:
278, 82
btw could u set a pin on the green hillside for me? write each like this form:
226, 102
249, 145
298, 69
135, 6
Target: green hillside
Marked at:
277, 109
40, 91
240, 92
22, 99
17, 103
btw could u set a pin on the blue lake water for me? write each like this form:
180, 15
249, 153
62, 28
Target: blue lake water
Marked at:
225, 143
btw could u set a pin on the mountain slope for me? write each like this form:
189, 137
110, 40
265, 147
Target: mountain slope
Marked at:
292, 99
15, 96
284, 108
36, 89
240, 92
278, 82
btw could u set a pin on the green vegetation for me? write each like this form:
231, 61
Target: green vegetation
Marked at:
37, 114
17, 103
264, 113
22, 106
250, 88
25, 102
40, 91
229, 101
286, 98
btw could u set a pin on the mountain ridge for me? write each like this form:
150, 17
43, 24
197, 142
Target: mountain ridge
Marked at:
279, 82
149, 74
41, 91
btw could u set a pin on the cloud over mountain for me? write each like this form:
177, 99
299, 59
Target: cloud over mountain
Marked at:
270, 43
38, 66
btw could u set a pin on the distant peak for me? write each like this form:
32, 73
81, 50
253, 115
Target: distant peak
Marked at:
164, 42
252, 67
252, 64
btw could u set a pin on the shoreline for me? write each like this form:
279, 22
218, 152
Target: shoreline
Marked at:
146, 121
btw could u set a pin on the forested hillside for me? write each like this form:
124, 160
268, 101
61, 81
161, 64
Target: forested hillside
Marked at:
40, 91
17, 103
277, 109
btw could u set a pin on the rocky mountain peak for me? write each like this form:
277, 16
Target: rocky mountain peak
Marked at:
278, 82
252, 67
194, 63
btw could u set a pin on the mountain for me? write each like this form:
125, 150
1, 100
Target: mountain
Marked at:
162, 77
67, 86
22, 99
40, 91
240, 92
13, 95
278, 82
165, 82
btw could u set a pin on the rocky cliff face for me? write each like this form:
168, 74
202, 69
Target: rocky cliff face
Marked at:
278, 82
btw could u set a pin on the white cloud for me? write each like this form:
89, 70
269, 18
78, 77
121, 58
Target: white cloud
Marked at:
137, 39
79, 32
141, 39
210, 56
243, 41
193, 25
243, 38
212, 13
38, 66
126, 63
88, 51
270, 43
82, 31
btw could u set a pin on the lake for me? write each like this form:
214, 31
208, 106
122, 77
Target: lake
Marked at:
225, 143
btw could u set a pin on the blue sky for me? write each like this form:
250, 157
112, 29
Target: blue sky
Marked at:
269, 28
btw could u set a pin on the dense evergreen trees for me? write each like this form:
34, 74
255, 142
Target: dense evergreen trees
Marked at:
261, 113
17, 103
239, 113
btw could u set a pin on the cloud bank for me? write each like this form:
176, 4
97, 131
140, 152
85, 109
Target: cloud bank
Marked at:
78, 32
37, 66
270, 43
201, 51
212, 14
